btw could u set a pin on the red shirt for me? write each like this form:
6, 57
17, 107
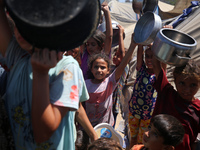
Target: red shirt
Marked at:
188, 113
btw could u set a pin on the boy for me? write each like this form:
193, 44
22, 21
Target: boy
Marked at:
164, 133
181, 102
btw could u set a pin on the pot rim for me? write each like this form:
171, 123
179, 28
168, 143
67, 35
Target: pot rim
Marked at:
179, 43
16, 14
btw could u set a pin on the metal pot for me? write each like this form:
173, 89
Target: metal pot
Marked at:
115, 39
142, 6
55, 24
173, 47
146, 28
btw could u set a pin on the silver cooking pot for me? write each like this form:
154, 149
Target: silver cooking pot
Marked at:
142, 6
173, 47
146, 28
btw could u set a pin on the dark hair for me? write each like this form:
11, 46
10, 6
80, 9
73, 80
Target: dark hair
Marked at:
191, 69
92, 58
105, 144
169, 128
82, 140
100, 37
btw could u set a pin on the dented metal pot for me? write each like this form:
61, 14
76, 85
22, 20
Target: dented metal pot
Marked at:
173, 47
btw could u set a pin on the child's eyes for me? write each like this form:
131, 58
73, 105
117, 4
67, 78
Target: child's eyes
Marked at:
193, 85
181, 83
155, 134
103, 68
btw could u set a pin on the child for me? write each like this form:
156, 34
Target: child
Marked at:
74, 53
181, 102
42, 93
143, 98
164, 133
105, 144
117, 58
99, 42
101, 86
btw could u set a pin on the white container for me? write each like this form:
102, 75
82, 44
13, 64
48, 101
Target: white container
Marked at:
106, 130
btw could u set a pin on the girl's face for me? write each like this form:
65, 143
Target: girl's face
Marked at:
22, 42
152, 139
92, 46
187, 87
100, 70
149, 58
117, 58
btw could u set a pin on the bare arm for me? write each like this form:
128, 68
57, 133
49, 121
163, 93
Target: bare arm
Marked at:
140, 53
6, 33
45, 116
121, 40
156, 66
82, 118
109, 30
125, 60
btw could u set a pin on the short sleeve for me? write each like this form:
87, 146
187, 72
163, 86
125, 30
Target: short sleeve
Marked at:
67, 86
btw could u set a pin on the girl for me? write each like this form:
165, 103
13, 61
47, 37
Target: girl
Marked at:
143, 98
101, 86
99, 42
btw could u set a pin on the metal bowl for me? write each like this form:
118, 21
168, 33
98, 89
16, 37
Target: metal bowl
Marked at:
142, 6
146, 28
173, 47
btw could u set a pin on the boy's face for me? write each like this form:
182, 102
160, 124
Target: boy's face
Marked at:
117, 58
152, 139
187, 87
74, 52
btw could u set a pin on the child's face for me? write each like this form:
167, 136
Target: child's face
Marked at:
22, 42
100, 69
149, 58
117, 58
187, 87
74, 52
92, 46
152, 139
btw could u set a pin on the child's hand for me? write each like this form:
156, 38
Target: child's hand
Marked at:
104, 7
168, 26
43, 60
121, 29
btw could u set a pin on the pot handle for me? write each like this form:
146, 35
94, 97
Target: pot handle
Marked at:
180, 57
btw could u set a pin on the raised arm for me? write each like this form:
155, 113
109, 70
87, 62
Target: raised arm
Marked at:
140, 53
46, 117
156, 66
125, 60
121, 40
109, 30
5, 31
82, 118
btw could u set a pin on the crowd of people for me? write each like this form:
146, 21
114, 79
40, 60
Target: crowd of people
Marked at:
53, 100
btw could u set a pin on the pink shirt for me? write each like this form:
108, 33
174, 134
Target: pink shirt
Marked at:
99, 106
